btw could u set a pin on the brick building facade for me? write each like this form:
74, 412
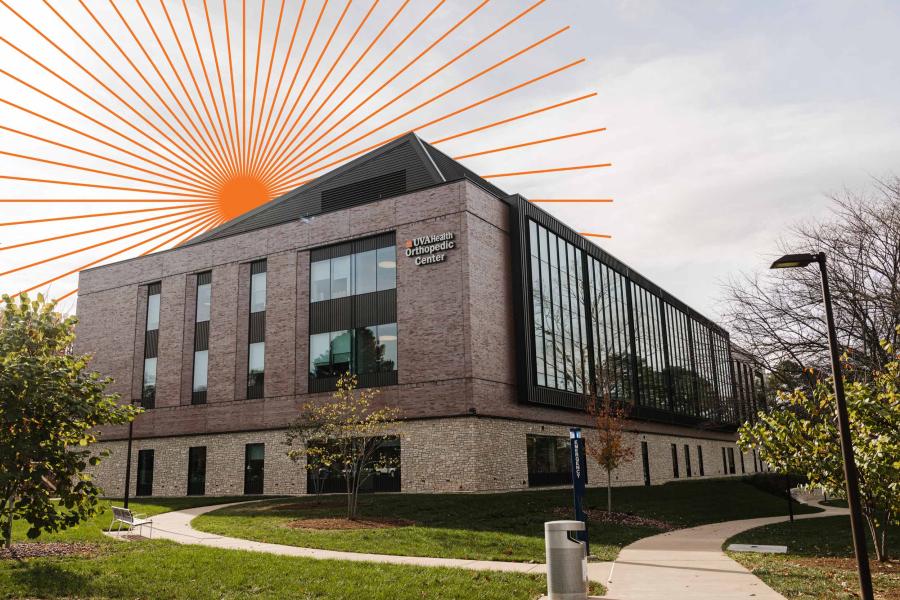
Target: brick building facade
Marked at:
224, 338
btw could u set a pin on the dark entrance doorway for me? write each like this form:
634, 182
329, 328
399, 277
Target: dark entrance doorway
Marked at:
645, 457
197, 471
254, 463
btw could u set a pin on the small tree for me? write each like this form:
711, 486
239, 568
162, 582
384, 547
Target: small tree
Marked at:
49, 404
802, 437
610, 449
344, 435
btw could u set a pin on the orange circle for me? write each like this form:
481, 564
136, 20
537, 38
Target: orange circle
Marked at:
240, 194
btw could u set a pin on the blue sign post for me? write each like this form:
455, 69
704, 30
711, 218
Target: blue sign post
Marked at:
579, 477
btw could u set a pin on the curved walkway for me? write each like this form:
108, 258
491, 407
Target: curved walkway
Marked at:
689, 564
686, 564
176, 526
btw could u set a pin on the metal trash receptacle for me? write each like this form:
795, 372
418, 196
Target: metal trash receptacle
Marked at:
566, 561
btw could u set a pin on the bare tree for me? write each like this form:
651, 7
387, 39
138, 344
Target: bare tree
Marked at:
778, 315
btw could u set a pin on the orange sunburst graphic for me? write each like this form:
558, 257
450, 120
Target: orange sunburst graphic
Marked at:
131, 127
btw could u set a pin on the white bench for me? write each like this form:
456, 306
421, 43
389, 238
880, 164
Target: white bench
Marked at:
124, 516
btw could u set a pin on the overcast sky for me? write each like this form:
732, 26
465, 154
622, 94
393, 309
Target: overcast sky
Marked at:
727, 121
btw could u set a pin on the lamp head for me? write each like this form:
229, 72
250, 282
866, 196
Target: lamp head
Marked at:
789, 261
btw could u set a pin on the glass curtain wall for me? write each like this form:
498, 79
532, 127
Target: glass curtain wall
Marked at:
646, 351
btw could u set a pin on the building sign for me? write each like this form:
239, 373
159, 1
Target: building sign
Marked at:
430, 249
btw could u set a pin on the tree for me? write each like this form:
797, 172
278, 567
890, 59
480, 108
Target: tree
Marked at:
50, 403
610, 448
803, 438
345, 434
778, 316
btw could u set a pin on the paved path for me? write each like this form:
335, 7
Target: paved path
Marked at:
176, 526
688, 564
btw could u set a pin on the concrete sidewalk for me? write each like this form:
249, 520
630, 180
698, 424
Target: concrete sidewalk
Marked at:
176, 526
688, 564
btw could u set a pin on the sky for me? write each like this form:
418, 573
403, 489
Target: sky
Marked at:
726, 122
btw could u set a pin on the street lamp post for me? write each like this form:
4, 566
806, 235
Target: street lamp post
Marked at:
850, 476
128, 460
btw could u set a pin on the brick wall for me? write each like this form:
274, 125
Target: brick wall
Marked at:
466, 454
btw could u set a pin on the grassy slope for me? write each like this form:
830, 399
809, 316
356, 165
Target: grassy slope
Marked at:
506, 526
161, 569
819, 562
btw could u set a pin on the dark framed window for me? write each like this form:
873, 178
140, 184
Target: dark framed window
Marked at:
743, 468
145, 473
645, 459
724, 461
370, 349
700, 459
549, 460
687, 460
254, 468
384, 477
201, 338
675, 473
151, 346
196, 471
352, 270
731, 460
256, 350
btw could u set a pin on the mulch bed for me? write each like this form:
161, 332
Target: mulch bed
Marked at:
617, 518
338, 524
311, 505
44, 549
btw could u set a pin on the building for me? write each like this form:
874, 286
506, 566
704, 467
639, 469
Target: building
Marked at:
482, 317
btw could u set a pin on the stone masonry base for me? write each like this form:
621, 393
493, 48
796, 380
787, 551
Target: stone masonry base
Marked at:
465, 454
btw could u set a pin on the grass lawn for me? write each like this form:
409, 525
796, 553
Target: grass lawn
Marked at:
162, 569
505, 526
819, 563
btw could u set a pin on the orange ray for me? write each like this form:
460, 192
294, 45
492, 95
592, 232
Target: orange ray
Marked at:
531, 143
596, 235
64, 296
303, 153
98, 244
281, 75
92, 263
301, 178
371, 72
231, 79
515, 118
190, 231
212, 125
68, 235
91, 216
187, 155
259, 37
94, 155
576, 200
189, 170
272, 140
97, 185
426, 102
552, 170
254, 137
175, 176
212, 96
97, 200
216, 157
212, 40
98, 171
278, 145
195, 145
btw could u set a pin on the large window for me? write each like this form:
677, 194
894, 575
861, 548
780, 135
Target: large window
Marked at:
370, 270
597, 325
363, 350
383, 474
256, 350
549, 460
254, 468
559, 325
151, 346
352, 312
